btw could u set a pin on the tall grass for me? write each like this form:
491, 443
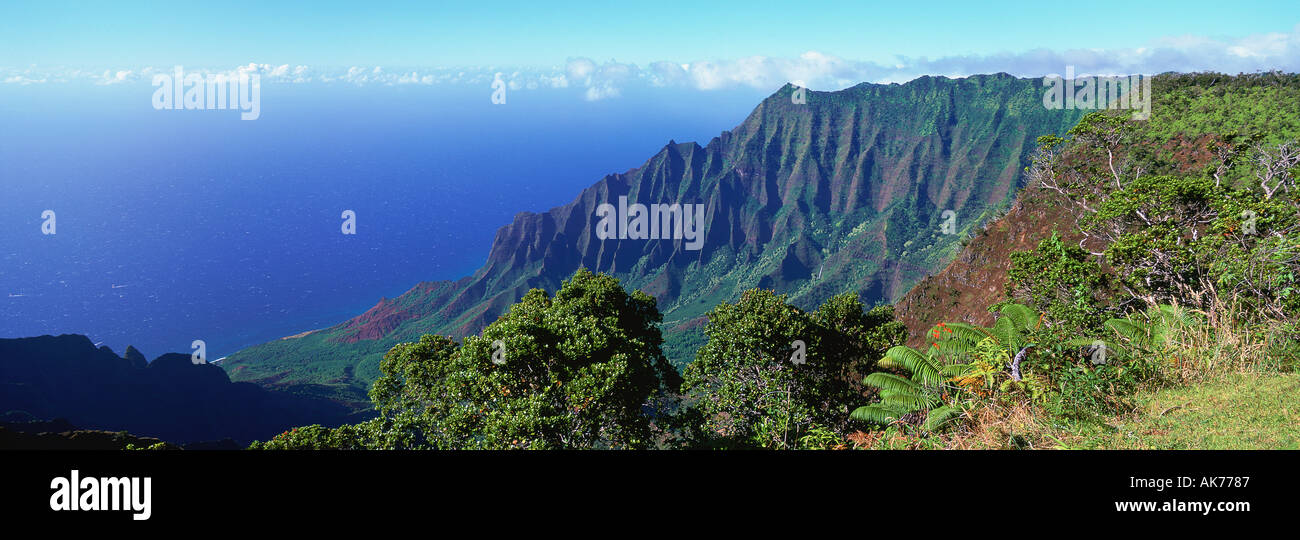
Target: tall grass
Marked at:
1226, 340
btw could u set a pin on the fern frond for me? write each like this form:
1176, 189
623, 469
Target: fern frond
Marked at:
953, 370
954, 348
1135, 331
1024, 318
941, 416
891, 383
908, 402
877, 414
923, 369
1005, 332
967, 332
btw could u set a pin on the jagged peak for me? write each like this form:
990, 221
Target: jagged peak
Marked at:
134, 355
674, 147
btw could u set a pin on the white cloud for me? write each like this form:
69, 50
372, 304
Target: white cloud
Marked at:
668, 73
20, 79
814, 69
556, 81
601, 91
110, 77
822, 71
601, 81
579, 68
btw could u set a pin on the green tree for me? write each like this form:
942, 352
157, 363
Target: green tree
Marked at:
1153, 225
317, 437
577, 370
771, 374
1064, 281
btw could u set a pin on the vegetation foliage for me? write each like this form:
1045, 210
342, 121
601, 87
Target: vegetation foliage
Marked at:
1186, 270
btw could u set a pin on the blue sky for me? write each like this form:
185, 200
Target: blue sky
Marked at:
545, 34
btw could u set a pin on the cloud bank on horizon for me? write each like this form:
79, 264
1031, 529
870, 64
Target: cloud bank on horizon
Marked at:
813, 69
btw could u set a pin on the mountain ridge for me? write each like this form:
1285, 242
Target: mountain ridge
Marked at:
844, 192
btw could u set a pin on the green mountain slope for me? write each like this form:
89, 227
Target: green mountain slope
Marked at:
1188, 112
848, 191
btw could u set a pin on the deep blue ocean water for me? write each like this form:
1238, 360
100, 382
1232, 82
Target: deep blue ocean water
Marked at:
174, 226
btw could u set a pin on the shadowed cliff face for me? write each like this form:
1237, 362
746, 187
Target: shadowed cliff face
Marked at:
844, 192
170, 398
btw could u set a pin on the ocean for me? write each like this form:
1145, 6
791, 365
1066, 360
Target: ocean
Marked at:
179, 225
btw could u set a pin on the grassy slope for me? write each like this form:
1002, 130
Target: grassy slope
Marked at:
1236, 411
1231, 411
